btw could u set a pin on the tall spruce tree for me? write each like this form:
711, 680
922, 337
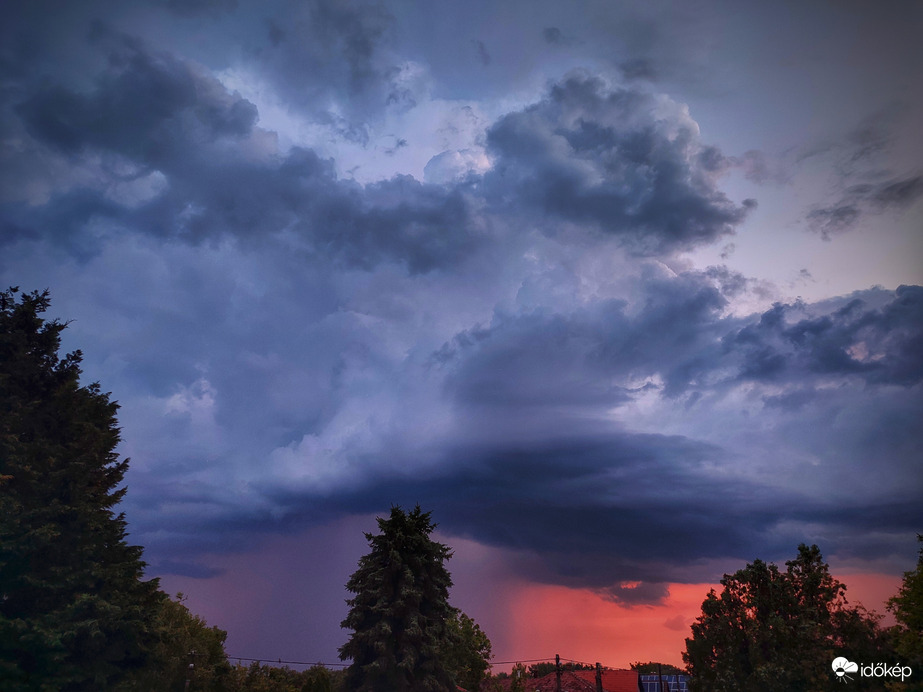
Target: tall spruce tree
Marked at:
400, 610
75, 613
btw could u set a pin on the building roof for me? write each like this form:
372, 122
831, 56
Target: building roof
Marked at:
583, 681
569, 683
613, 680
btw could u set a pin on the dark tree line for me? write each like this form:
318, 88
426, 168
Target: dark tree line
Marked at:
778, 630
75, 611
907, 607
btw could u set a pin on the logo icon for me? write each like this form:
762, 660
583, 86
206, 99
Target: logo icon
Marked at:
842, 667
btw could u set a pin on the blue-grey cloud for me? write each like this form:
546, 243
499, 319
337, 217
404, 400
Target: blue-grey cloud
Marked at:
552, 34
148, 107
866, 184
851, 342
483, 55
155, 115
192, 8
896, 194
588, 504
523, 342
331, 60
622, 161
638, 68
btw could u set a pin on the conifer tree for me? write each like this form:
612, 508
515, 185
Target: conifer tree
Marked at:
75, 613
400, 610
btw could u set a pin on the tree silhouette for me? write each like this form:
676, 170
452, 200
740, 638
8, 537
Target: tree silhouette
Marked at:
773, 630
466, 652
75, 613
399, 613
907, 606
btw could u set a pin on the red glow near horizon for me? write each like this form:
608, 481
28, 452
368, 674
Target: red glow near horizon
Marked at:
282, 601
581, 625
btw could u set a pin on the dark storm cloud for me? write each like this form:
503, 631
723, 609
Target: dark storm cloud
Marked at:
591, 512
546, 359
192, 8
331, 60
866, 185
652, 188
148, 107
829, 221
880, 345
400, 220
585, 505
351, 33
622, 161
650, 496
896, 194
680, 336
11, 232
552, 34
154, 113
858, 147
67, 220
291, 347
638, 68
599, 511
185, 569
483, 55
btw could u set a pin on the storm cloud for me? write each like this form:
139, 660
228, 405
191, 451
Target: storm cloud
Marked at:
623, 161
334, 257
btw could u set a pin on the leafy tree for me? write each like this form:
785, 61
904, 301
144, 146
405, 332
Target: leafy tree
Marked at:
653, 668
265, 678
75, 613
540, 670
466, 652
319, 679
518, 677
184, 639
772, 630
907, 607
399, 613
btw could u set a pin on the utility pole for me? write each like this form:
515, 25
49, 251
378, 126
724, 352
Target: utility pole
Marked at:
599, 677
557, 673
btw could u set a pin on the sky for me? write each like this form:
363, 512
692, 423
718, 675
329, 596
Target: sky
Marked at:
627, 294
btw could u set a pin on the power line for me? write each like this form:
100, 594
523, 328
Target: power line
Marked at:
280, 661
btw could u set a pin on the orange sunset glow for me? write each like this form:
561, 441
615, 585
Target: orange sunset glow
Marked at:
581, 625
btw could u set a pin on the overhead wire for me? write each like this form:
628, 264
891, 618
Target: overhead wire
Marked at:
280, 661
